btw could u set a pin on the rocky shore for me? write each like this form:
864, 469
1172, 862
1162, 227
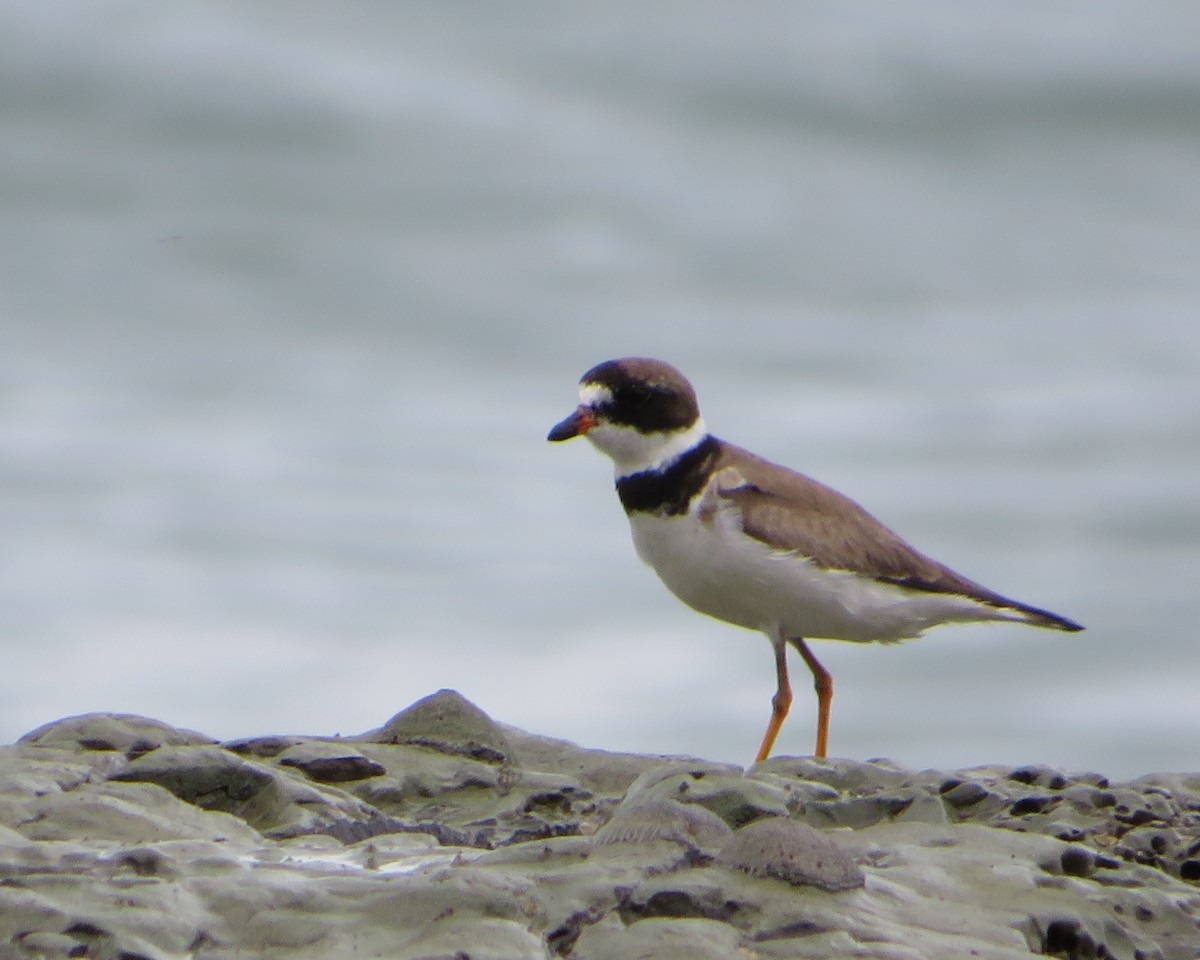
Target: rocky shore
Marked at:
444, 834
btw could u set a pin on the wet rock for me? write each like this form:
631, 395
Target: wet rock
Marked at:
600, 771
1088, 799
124, 733
327, 762
24, 911
27, 773
800, 793
845, 776
276, 801
121, 837
642, 821
793, 852
1072, 938
725, 791
676, 779
1033, 804
1077, 861
479, 938
140, 861
448, 722
1137, 807
961, 795
681, 894
662, 939
336, 769
1166, 848
49, 946
858, 812
264, 748
1039, 776
213, 779
132, 813
1183, 787
491, 804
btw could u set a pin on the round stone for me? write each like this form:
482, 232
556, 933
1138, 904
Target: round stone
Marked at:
791, 851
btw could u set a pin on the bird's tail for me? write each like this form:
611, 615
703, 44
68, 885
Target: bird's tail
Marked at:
1037, 617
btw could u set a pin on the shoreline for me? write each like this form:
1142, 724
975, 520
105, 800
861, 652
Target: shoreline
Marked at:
446, 834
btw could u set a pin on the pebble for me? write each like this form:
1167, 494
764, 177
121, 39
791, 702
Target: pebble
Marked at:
793, 852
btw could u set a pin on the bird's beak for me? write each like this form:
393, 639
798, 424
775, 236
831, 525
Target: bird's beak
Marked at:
576, 425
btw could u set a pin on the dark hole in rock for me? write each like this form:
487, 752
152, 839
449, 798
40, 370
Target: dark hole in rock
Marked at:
1077, 862
1028, 805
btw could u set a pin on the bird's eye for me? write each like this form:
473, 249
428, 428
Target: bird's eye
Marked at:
636, 396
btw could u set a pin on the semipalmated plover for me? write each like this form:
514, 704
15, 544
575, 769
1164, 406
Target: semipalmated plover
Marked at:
761, 546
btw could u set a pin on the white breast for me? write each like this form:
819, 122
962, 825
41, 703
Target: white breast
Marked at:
706, 560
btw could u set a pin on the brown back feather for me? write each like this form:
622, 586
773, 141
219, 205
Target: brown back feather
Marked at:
792, 512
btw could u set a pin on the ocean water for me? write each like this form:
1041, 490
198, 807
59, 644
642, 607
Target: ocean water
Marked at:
291, 293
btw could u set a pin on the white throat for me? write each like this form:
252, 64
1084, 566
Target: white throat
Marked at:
635, 452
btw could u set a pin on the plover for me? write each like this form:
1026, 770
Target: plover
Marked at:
755, 544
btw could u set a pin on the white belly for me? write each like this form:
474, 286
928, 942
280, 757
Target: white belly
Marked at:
716, 569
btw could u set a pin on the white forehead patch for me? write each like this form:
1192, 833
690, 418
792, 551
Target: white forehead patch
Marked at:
594, 394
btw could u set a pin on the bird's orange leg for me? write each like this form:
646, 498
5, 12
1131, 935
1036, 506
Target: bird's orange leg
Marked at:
823, 683
780, 703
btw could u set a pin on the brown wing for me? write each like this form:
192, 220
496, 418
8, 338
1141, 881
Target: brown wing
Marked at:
792, 512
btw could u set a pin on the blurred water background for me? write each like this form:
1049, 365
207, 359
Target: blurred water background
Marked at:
291, 292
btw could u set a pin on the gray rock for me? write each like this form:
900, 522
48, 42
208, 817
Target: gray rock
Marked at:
962, 795
724, 790
472, 802
129, 813
448, 722
480, 938
792, 852
643, 821
43, 944
1036, 775
600, 771
846, 776
264, 748
212, 779
126, 733
858, 812
279, 801
120, 836
329, 762
662, 939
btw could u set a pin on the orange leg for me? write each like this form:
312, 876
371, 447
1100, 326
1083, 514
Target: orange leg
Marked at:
780, 703
823, 683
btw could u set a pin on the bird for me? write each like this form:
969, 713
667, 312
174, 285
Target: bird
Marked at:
761, 546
